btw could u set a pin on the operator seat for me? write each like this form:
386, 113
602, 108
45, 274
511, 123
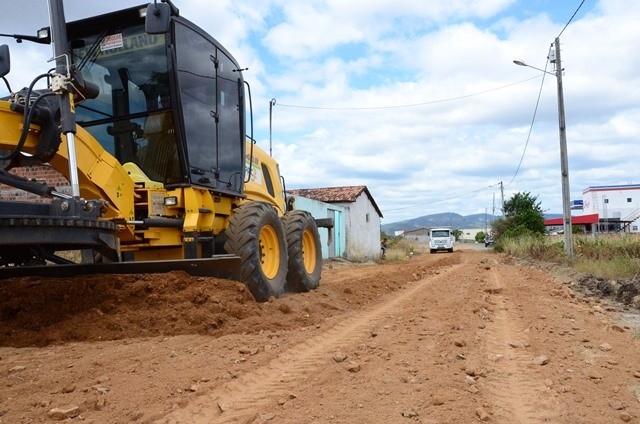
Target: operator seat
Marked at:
159, 158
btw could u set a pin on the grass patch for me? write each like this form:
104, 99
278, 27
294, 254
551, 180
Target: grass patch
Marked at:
535, 247
608, 256
605, 256
400, 249
616, 267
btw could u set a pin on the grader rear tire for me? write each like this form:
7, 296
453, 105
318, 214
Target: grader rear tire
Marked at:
256, 234
305, 251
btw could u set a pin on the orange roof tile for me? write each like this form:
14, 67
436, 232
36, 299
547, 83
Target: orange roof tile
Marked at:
346, 194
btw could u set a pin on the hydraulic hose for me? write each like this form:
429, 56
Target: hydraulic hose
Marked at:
28, 115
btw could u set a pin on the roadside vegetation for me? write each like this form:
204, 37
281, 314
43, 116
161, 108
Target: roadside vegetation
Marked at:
605, 256
399, 248
522, 233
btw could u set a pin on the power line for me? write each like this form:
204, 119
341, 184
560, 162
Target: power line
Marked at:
533, 119
539, 94
441, 200
434, 101
453, 99
571, 19
409, 105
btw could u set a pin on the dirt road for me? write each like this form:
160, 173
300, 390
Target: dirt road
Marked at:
447, 338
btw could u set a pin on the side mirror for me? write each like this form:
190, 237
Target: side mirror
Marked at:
5, 60
157, 18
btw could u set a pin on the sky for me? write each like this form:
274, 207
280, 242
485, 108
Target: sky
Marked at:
419, 100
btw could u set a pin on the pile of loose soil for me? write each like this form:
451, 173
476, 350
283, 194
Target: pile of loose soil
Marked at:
44, 311
41, 311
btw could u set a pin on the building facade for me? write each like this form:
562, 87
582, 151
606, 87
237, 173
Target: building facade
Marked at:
469, 234
618, 207
419, 235
361, 218
334, 246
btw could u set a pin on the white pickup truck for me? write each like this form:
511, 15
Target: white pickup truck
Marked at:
441, 239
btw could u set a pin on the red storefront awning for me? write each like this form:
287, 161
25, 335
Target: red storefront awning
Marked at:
575, 220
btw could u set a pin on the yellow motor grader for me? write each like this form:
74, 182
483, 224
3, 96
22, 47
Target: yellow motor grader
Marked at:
145, 115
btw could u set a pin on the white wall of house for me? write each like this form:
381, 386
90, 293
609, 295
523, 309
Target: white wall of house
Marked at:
362, 229
614, 203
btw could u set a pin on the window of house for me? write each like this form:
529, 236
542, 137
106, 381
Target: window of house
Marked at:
628, 199
367, 217
606, 200
634, 228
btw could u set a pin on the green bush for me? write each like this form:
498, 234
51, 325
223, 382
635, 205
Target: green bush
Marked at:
522, 218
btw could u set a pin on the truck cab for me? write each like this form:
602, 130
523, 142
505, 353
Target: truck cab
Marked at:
441, 239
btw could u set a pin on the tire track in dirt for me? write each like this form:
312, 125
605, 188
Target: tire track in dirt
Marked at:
241, 398
514, 379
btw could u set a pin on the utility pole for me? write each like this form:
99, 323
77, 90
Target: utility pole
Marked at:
272, 102
493, 210
485, 220
502, 194
564, 161
554, 57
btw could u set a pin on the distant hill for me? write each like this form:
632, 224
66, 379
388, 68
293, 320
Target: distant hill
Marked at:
448, 219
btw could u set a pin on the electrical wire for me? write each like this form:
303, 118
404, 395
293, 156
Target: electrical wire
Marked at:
533, 119
539, 94
441, 100
571, 19
409, 105
453, 99
442, 200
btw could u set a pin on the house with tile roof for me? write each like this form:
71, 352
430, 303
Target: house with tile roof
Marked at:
358, 220
332, 242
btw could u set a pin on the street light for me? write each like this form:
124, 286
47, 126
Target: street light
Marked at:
564, 161
521, 63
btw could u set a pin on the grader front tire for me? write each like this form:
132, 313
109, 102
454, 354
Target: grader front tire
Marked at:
256, 234
305, 251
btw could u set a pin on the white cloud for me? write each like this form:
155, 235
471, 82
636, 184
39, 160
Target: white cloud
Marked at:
453, 61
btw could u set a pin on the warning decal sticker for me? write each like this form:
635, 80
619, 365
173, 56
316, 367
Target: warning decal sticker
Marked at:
111, 42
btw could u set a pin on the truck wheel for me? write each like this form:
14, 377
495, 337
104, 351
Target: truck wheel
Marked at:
256, 234
305, 252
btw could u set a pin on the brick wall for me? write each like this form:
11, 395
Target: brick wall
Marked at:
42, 173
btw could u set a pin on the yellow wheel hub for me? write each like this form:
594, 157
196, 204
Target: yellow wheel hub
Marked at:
269, 251
309, 252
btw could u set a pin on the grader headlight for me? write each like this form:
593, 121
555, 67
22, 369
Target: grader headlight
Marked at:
170, 201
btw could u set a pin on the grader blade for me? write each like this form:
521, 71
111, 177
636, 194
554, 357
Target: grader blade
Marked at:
219, 266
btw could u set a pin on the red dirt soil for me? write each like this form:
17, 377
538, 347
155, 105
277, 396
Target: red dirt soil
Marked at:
445, 338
